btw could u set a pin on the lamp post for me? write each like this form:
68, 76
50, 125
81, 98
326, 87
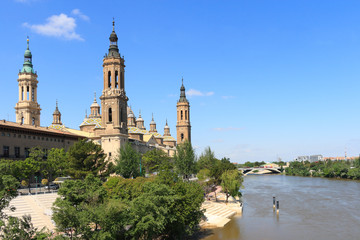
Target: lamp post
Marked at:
36, 183
140, 166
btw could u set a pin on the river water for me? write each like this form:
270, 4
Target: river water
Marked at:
310, 208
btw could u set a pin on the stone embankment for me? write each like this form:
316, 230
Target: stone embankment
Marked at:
218, 213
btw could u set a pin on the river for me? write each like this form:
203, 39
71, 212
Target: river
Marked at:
310, 208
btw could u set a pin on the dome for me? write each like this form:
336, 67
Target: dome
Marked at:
94, 104
139, 119
27, 53
113, 37
131, 115
56, 112
152, 122
167, 127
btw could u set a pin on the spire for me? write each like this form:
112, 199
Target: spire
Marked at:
56, 112
182, 92
152, 119
113, 49
27, 43
27, 66
94, 97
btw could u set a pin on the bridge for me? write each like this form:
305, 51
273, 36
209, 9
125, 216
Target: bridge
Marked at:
259, 170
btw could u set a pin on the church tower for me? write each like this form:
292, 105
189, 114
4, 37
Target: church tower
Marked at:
56, 116
27, 109
183, 128
113, 98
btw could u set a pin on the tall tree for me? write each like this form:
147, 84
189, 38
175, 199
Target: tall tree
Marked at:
128, 162
231, 182
154, 159
185, 160
86, 157
77, 208
207, 159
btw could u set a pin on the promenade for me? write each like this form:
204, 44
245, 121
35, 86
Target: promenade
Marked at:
218, 213
37, 206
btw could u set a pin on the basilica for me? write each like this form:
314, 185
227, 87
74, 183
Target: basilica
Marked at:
111, 123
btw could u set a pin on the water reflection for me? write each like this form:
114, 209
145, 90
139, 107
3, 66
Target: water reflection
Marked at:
310, 208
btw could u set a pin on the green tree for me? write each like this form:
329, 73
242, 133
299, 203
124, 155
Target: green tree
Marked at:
56, 164
185, 161
207, 159
128, 162
86, 157
76, 212
231, 182
21, 229
154, 159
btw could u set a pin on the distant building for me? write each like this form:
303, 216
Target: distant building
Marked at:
311, 158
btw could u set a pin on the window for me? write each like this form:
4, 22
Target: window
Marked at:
22, 120
6, 151
185, 114
17, 152
3, 134
110, 115
27, 152
33, 121
34, 137
182, 137
122, 80
8, 135
116, 79
22, 93
19, 136
29, 137
32, 94
109, 154
181, 115
27, 93
109, 79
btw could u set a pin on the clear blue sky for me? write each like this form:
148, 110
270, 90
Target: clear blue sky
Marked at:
265, 79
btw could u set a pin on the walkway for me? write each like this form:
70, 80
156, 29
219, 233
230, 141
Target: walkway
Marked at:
218, 214
37, 206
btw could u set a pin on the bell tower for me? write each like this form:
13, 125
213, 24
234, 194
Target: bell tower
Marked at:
27, 109
183, 127
113, 98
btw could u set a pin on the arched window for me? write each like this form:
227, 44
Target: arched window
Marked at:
27, 93
22, 120
182, 137
122, 80
33, 121
110, 115
32, 94
116, 79
186, 115
109, 79
121, 115
181, 115
22, 93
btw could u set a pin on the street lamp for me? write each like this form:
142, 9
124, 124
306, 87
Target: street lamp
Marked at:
140, 166
36, 183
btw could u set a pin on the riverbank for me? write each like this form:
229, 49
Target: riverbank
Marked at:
218, 213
